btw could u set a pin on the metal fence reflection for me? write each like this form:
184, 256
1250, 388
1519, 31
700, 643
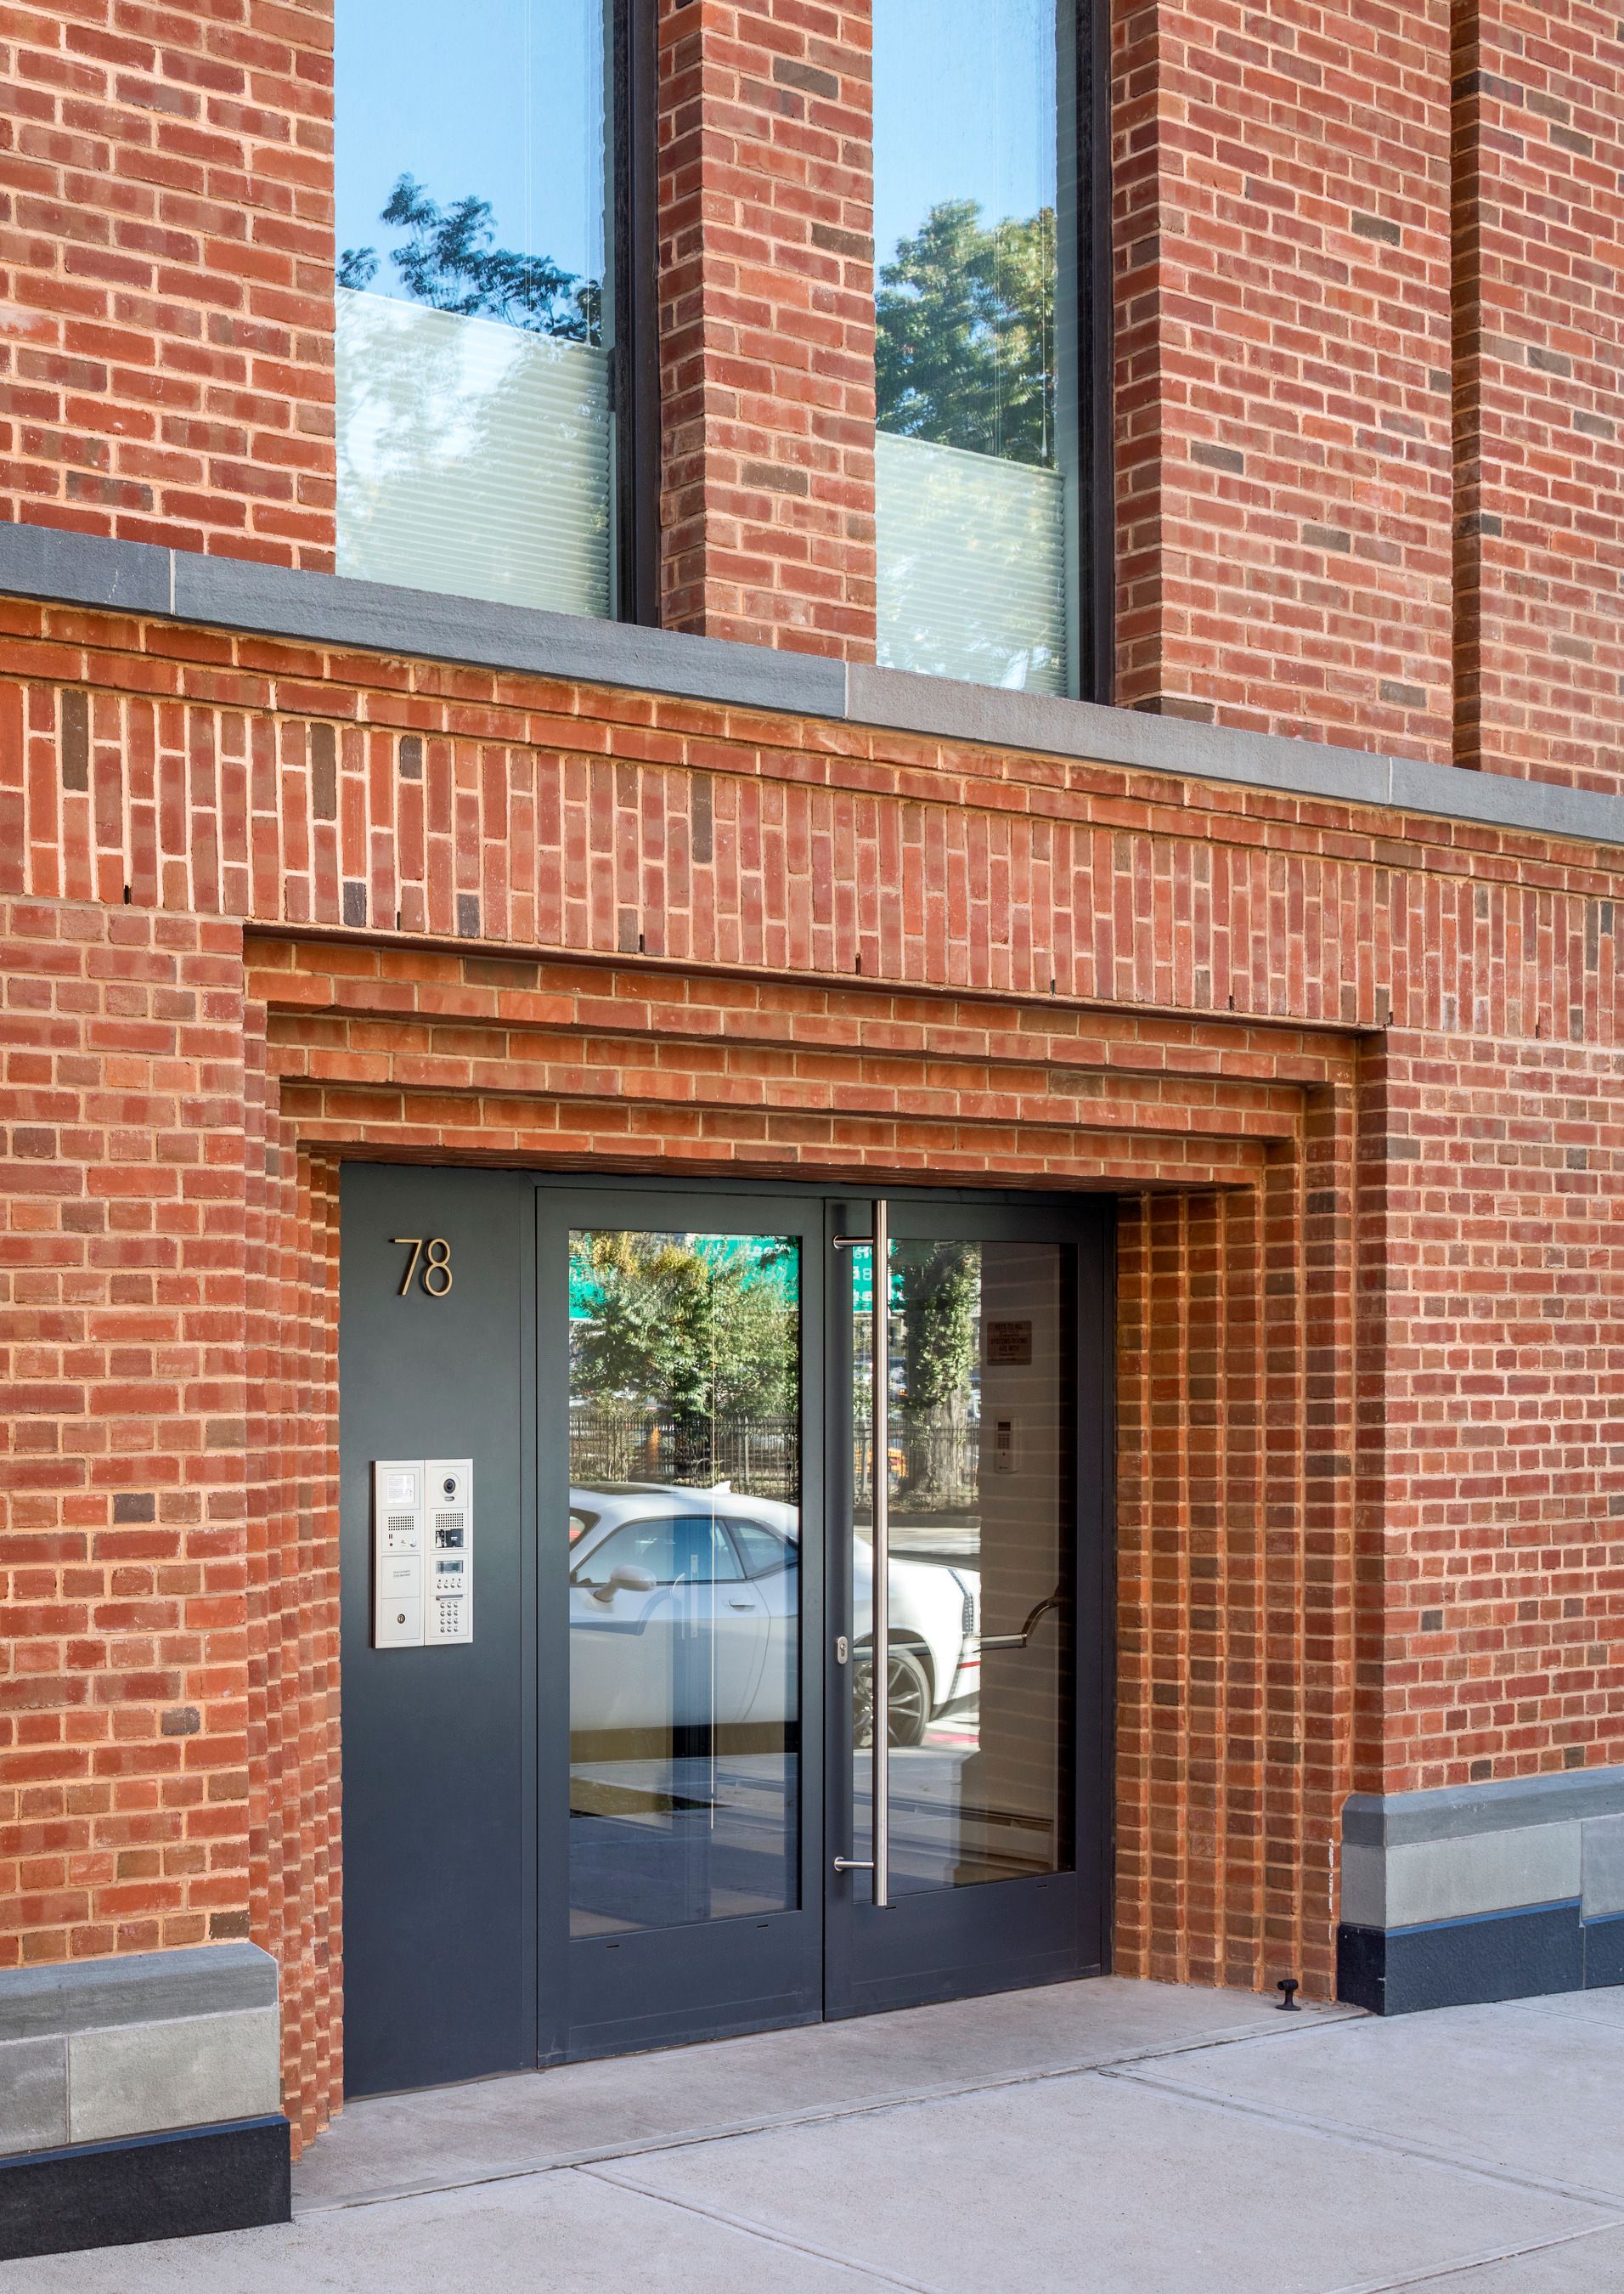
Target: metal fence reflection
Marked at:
936, 1466
758, 1455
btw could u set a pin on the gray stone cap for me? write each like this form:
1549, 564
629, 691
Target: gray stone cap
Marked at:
147, 1986
1390, 1820
329, 609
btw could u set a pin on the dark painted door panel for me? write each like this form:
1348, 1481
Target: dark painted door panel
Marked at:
438, 1781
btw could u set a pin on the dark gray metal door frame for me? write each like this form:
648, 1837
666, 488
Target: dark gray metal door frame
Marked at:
1008, 1934
550, 1996
753, 1973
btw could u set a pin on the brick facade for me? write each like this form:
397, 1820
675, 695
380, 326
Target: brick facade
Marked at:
1355, 1076
167, 345
766, 293
1283, 387
1333, 999
1538, 399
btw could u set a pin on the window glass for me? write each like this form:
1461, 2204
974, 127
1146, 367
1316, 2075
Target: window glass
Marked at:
764, 1549
974, 128
982, 1481
685, 1697
473, 299
690, 1548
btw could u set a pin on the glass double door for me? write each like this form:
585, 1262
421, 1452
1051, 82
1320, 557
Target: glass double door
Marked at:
639, 1793
708, 1366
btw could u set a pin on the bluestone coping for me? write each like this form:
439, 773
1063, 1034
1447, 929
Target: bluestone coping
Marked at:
84, 1994
371, 617
1387, 1820
1423, 1881
33, 2094
193, 2071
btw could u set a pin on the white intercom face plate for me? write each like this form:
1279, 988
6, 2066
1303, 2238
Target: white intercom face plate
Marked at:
422, 1552
448, 1588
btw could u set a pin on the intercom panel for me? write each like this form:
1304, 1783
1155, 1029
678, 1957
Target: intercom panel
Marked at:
448, 1592
422, 1552
397, 1553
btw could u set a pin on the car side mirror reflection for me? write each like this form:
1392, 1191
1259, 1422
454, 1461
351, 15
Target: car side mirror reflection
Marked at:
627, 1578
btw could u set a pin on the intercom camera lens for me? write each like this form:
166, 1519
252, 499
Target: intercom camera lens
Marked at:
450, 1486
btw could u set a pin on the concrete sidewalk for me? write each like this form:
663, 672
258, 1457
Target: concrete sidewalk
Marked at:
1102, 2138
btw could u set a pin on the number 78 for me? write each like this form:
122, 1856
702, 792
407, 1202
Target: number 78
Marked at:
437, 1262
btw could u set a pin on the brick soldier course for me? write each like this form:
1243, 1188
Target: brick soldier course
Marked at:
1335, 1016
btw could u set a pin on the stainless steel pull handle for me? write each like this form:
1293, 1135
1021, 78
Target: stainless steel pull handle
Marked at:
1019, 1640
879, 1632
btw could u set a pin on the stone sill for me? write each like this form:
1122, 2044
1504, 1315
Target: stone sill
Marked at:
326, 609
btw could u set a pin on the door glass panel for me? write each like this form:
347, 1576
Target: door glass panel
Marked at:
685, 1579
982, 1591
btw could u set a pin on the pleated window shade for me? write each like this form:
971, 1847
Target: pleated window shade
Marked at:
474, 457
971, 565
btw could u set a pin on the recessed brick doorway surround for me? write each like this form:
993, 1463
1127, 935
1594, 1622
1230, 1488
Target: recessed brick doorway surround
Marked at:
1229, 1149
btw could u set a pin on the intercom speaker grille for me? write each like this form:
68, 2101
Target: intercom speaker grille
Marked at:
402, 1525
448, 1521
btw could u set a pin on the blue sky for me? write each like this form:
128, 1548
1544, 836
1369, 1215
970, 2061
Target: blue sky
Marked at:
503, 98
963, 108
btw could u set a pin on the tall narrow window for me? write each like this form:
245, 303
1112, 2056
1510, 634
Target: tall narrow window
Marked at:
475, 304
976, 245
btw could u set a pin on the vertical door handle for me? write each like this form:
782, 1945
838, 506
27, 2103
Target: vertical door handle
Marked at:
880, 1629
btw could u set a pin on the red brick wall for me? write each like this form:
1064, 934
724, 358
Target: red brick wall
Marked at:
1540, 397
166, 236
766, 292
290, 1362
1491, 1397
1234, 1563
1308, 540
125, 1733
1357, 1078
168, 1585
255, 778
1282, 250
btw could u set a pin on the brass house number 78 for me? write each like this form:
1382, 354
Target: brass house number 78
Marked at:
431, 1256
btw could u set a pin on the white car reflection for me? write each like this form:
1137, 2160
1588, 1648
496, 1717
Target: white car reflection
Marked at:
685, 1612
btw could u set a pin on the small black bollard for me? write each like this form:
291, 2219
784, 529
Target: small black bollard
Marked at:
1288, 1985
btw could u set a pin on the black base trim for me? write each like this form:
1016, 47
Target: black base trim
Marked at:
1603, 1952
1461, 1963
178, 2185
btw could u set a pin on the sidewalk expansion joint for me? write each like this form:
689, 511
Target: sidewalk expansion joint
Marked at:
872, 2274
1432, 2273
1337, 2130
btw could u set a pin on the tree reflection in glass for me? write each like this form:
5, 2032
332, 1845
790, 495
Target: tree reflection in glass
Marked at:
684, 1577
974, 172
980, 1468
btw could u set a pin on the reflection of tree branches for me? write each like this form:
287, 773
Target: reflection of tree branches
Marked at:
685, 1331
451, 263
940, 1285
964, 354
